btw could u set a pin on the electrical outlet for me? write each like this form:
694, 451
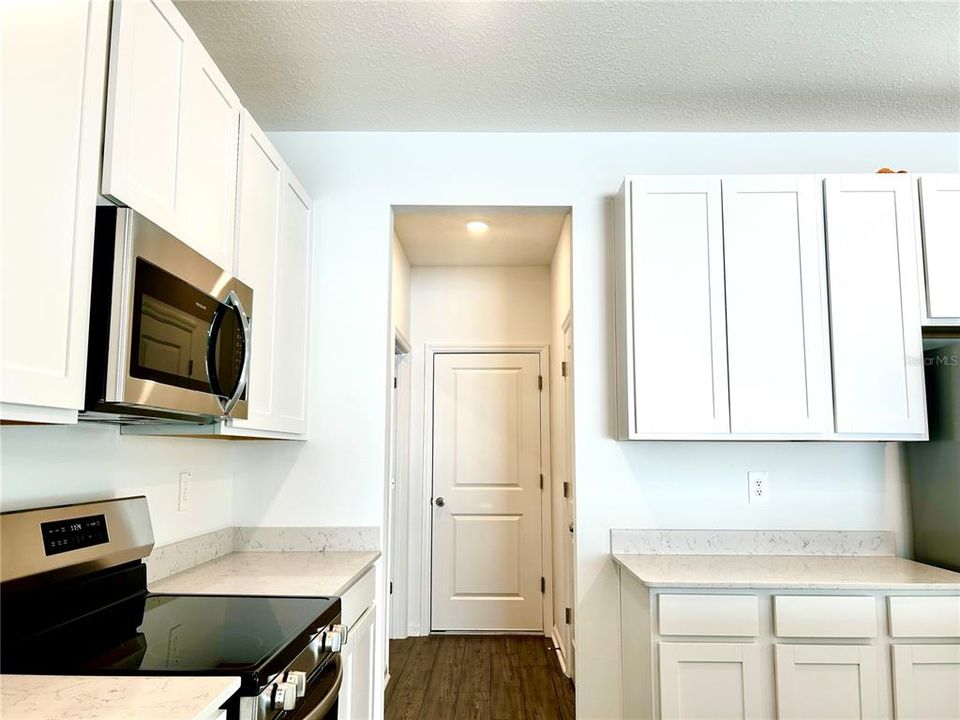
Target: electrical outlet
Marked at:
183, 500
758, 486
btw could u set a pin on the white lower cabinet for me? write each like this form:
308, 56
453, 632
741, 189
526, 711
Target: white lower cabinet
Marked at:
359, 613
926, 682
356, 694
827, 681
806, 655
710, 680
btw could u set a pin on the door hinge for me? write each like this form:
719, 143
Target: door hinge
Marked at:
543, 584
568, 615
391, 589
540, 382
566, 489
541, 481
563, 368
394, 383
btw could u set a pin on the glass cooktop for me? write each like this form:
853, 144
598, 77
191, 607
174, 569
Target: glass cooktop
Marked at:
204, 633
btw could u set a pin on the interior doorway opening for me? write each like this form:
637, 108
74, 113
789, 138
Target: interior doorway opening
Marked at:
480, 498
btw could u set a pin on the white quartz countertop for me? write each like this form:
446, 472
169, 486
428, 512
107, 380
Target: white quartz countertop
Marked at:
787, 571
55, 697
271, 573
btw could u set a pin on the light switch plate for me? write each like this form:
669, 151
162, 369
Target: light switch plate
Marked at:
758, 486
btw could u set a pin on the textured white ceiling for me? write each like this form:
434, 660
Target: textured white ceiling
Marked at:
437, 235
542, 66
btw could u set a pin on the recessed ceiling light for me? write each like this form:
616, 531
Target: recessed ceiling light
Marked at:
478, 226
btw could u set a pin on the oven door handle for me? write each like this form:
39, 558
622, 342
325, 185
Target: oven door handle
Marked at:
320, 710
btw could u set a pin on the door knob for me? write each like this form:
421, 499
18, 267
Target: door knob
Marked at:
440, 501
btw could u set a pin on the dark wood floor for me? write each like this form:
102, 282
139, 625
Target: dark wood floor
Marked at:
449, 677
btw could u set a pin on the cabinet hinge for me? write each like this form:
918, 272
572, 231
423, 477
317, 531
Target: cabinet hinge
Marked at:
541, 481
540, 382
391, 588
563, 368
568, 615
543, 584
566, 489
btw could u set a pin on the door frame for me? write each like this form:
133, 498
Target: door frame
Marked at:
426, 495
399, 469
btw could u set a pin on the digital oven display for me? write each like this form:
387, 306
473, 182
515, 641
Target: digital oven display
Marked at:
65, 535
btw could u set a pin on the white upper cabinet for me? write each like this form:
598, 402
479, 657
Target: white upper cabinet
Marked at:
940, 219
258, 239
274, 224
777, 330
207, 179
54, 71
671, 317
172, 124
292, 303
874, 297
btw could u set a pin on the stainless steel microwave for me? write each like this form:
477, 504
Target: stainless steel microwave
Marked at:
169, 329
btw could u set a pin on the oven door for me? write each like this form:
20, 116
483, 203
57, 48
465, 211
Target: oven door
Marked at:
320, 701
183, 327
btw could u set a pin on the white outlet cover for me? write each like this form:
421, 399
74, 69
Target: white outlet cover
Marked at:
758, 487
183, 499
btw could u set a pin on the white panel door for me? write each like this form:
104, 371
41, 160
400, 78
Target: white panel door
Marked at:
679, 359
486, 488
141, 151
874, 297
835, 682
207, 171
292, 298
54, 72
940, 215
777, 328
710, 681
926, 682
258, 236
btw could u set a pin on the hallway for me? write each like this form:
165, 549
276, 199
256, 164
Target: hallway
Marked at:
477, 677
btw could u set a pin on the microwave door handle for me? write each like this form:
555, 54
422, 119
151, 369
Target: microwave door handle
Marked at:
233, 301
211, 358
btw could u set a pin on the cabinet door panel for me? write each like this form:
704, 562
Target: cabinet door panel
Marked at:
258, 234
357, 695
874, 296
776, 306
679, 329
940, 215
926, 682
705, 681
293, 301
54, 71
827, 681
207, 178
142, 141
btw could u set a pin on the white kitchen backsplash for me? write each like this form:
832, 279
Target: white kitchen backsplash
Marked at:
752, 542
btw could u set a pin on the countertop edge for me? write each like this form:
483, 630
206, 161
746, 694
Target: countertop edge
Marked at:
215, 704
785, 585
160, 586
360, 573
112, 684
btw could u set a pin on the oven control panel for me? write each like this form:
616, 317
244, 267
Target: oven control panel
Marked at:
64, 535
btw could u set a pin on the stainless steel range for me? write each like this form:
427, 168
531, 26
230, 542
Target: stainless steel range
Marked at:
74, 601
